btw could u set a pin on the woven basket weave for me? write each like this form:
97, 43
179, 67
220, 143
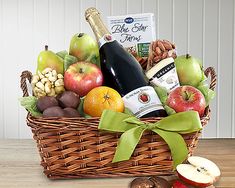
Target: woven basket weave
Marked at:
74, 148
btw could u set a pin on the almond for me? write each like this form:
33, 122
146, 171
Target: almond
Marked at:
167, 45
160, 45
158, 51
164, 55
156, 59
154, 45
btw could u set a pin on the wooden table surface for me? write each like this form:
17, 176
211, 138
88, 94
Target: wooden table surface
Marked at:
20, 166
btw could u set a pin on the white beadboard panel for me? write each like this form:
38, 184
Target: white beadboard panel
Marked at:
233, 101
11, 68
118, 7
72, 20
84, 24
134, 6
165, 23
225, 68
211, 57
56, 25
181, 26
205, 28
195, 40
1, 74
151, 6
104, 7
40, 27
26, 41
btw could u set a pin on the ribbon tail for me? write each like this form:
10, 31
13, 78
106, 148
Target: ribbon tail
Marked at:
127, 143
177, 145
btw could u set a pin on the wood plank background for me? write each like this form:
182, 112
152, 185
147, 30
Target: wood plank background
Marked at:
205, 28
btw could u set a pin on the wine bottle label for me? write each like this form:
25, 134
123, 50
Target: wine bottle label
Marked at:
164, 74
106, 38
142, 101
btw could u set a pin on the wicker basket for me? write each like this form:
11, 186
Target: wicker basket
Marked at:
74, 148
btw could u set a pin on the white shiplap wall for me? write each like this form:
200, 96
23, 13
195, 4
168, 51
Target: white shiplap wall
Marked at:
205, 28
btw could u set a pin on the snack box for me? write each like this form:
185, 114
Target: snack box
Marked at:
134, 30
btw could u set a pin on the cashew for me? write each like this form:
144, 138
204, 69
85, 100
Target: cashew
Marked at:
44, 80
35, 79
40, 75
52, 78
36, 90
59, 89
41, 94
59, 82
49, 74
54, 73
60, 76
48, 87
46, 70
52, 93
40, 86
38, 93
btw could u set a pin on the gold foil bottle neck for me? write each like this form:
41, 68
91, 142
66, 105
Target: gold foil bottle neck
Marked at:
92, 16
91, 11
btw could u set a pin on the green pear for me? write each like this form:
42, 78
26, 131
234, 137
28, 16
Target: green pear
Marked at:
189, 70
84, 48
47, 59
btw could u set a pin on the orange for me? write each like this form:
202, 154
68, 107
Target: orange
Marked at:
101, 98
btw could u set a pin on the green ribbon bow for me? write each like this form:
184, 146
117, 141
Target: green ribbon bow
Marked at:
169, 128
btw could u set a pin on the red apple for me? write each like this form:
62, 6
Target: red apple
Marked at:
185, 98
200, 172
81, 77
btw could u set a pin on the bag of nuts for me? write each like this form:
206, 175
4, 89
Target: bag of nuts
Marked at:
158, 50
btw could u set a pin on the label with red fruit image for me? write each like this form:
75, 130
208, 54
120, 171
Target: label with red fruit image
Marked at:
142, 101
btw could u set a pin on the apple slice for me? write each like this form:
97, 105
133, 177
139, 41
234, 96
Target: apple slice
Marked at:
199, 172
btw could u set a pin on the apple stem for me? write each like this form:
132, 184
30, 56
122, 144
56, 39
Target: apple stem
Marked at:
81, 70
46, 47
186, 95
80, 34
187, 56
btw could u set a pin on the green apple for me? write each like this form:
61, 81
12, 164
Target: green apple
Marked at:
189, 70
84, 48
47, 59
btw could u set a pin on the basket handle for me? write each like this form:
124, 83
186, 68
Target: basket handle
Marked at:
25, 75
210, 71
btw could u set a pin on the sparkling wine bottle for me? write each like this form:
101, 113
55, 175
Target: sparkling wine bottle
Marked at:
123, 72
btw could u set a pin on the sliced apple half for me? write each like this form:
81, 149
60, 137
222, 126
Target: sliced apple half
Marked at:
199, 172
